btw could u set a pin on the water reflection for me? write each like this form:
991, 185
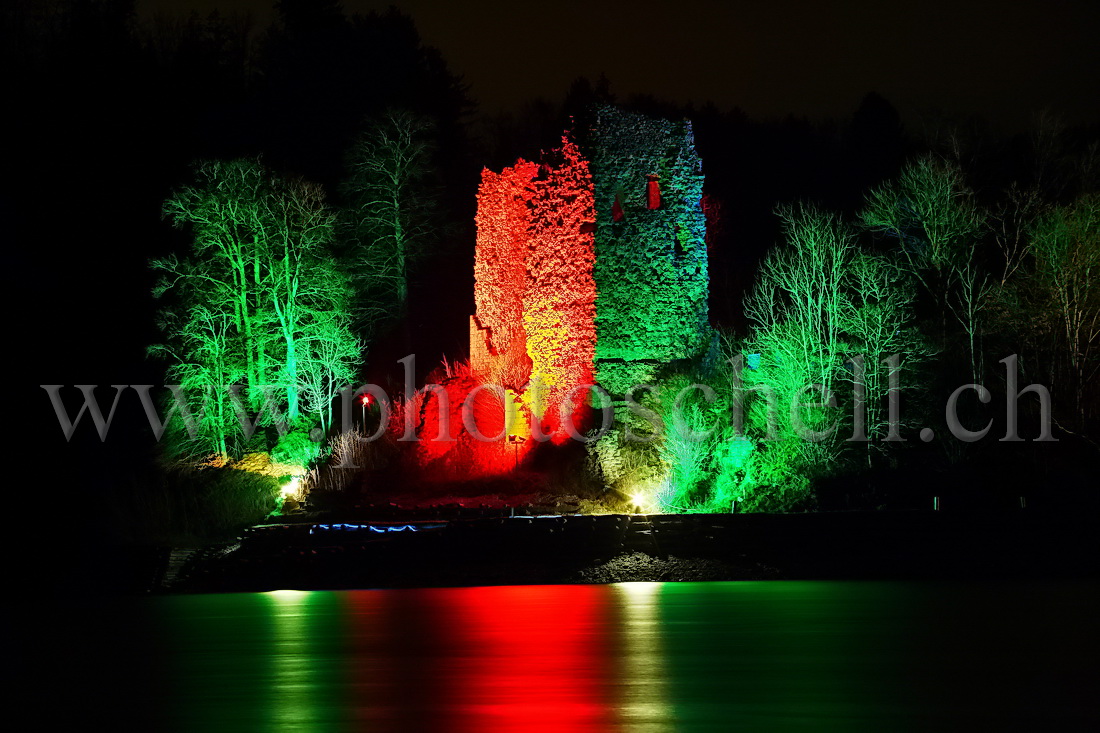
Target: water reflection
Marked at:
643, 699
638, 656
305, 673
519, 658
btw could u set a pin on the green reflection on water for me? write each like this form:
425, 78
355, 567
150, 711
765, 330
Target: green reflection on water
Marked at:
742, 655
265, 661
307, 660
220, 657
636, 656
782, 654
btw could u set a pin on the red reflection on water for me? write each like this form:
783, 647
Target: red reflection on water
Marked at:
530, 658
374, 699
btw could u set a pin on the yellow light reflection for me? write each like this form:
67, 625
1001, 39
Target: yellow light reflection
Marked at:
644, 695
290, 685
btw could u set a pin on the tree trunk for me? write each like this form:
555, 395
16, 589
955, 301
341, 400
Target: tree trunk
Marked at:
292, 377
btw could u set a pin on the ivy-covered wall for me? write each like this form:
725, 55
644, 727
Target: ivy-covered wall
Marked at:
560, 299
651, 264
534, 291
500, 269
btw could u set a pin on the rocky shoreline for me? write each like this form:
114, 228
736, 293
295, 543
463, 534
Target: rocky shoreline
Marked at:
315, 551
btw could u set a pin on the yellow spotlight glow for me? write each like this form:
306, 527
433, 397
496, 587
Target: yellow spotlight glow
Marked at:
291, 487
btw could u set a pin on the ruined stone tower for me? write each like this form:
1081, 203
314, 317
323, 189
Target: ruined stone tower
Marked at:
591, 265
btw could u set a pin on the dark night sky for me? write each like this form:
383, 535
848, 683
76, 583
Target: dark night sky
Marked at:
1002, 61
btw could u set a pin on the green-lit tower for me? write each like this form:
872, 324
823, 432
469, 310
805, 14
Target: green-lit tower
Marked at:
651, 258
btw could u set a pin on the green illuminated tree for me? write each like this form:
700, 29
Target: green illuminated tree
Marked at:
798, 309
206, 364
261, 269
820, 306
227, 213
300, 283
799, 298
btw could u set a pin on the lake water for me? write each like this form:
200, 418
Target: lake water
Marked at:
845, 656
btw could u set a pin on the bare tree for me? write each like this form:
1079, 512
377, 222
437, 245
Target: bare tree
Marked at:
302, 283
934, 217
1011, 225
877, 322
1066, 244
328, 356
820, 305
393, 207
802, 284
